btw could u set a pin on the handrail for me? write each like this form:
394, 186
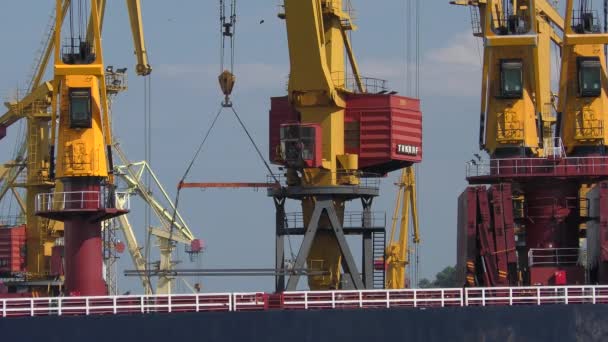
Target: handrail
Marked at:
80, 200
303, 300
508, 167
553, 256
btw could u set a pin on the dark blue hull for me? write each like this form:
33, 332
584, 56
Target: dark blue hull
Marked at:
521, 323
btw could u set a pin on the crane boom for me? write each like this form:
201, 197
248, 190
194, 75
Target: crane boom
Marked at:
173, 227
143, 67
398, 250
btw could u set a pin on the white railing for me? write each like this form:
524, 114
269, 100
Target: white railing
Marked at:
536, 295
369, 299
81, 200
553, 256
554, 149
305, 300
569, 166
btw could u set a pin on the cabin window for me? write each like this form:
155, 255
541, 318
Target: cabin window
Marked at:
511, 74
589, 77
80, 108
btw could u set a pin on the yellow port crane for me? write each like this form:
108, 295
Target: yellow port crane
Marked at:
317, 40
335, 134
517, 105
583, 87
398, 248
42, 233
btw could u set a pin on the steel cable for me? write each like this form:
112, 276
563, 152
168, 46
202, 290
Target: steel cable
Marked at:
196, 154
254, 145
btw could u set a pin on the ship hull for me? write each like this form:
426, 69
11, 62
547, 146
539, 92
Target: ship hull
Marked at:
517, 323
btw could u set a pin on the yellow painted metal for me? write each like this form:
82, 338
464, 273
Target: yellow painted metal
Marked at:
165, 280
583, 118
398, 250
318, 47
48, 50
508, 123
512, 122
40, 232
137, 29
81, 151
101, 10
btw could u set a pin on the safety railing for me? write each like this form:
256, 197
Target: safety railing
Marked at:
553, 256
304, 300
540, 295
372, 299
352, 219
359, 85
555, 149
81, 200
364, 180
509, 167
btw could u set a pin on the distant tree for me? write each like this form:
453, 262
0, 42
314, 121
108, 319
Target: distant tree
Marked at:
445, 278
425, 283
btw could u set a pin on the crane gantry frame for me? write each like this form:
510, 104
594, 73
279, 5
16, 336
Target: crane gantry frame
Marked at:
34, 107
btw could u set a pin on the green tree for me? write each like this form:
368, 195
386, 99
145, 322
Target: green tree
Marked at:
425, 283
445, 278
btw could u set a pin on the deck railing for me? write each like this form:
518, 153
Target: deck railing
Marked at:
304, 300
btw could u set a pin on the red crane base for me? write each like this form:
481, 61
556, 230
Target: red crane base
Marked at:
82, 208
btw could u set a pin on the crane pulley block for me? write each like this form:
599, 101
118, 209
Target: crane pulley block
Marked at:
227, 81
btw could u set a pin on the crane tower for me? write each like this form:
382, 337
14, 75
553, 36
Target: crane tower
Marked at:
334, 134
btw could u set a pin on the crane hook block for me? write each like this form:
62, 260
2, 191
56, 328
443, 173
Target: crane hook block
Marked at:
227, 80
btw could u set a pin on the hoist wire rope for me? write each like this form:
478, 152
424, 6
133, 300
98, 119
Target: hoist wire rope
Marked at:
222, 36
257, 149
190, 165
233, 37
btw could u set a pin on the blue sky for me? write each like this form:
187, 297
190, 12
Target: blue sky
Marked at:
183, 45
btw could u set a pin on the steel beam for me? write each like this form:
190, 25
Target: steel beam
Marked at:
368, 246
280, 243
309, 236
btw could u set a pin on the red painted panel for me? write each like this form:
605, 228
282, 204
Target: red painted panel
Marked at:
488, 247
12, 242
547, 275
507, 203
57, 261
523, 169
560, 278
467, 237
604, 221
384, 130
390, 131
281, 113
549, 210
499, 234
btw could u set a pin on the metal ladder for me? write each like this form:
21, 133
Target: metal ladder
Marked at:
379, 246
475, 21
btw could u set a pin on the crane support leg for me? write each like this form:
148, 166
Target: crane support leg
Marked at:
368, 244
325, 206
279, 203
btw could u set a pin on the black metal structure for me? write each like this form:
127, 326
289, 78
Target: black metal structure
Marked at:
369, 225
